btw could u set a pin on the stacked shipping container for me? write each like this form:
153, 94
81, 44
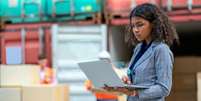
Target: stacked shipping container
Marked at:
117, 11
24, 11
24, 42
183, 10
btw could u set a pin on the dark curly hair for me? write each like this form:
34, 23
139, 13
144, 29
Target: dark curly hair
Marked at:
163, 29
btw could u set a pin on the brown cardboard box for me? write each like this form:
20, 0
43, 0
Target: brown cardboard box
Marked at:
182, 96
19, 75
187, 64
184, 82
199, 86
46, 93
10, 94
122, 98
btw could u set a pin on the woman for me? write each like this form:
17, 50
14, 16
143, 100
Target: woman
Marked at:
152, 62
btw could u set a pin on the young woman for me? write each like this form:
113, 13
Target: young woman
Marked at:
151, 65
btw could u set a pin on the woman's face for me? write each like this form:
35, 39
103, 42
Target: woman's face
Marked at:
141, 28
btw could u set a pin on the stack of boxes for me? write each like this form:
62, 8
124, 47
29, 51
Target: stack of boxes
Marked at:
22, 83
184, 79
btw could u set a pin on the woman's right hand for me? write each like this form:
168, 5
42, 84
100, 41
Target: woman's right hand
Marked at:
88, 85
126, 80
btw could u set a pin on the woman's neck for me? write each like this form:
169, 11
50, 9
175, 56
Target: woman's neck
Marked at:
148, 40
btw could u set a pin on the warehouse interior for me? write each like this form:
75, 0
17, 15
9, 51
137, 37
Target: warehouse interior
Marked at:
65, 32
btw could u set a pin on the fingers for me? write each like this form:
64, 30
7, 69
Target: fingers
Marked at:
126, 80
133, 93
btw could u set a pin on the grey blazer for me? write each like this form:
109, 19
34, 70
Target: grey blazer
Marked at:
154, 71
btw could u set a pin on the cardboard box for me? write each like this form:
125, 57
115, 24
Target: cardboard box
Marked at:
184, 82
187, 64
19, 75
199, 86
10, 94
182, 96
46, 93
122, 98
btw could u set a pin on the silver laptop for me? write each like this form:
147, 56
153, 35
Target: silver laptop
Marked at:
101, 72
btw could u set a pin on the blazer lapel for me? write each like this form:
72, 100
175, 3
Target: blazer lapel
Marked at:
134, 55
146, 55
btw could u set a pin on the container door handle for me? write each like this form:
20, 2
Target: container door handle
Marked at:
41, 40
133, 3
169, 5
190, 4
23, 39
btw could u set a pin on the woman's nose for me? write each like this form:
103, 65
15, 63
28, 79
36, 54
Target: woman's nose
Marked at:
135, 30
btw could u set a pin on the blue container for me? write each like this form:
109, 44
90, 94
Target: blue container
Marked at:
11, 10
59, 7
34, 10
87, 6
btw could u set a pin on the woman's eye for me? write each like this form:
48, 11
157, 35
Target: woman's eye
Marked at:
137, 25
140, 25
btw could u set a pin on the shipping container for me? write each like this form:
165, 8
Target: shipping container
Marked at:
73, 9
87, 6
117, 11
0, 47
22, 43
172, 5
126, 5
12, 10
19, 11
186, 19
59, 7
1, 9
74, 43
88, 10
33, 10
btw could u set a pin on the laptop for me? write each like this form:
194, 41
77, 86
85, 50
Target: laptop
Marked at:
101, 73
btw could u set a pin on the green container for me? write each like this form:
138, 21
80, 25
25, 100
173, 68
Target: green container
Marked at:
85, 9
59, 7
1, 8
87, 6
60, 10
11, 10
34, 10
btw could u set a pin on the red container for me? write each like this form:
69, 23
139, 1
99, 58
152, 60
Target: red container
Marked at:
185, 18
118, 5
125, 5
9, 39
197, 3
0, 47
180, 4
117, 11
30, 38
174, 4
